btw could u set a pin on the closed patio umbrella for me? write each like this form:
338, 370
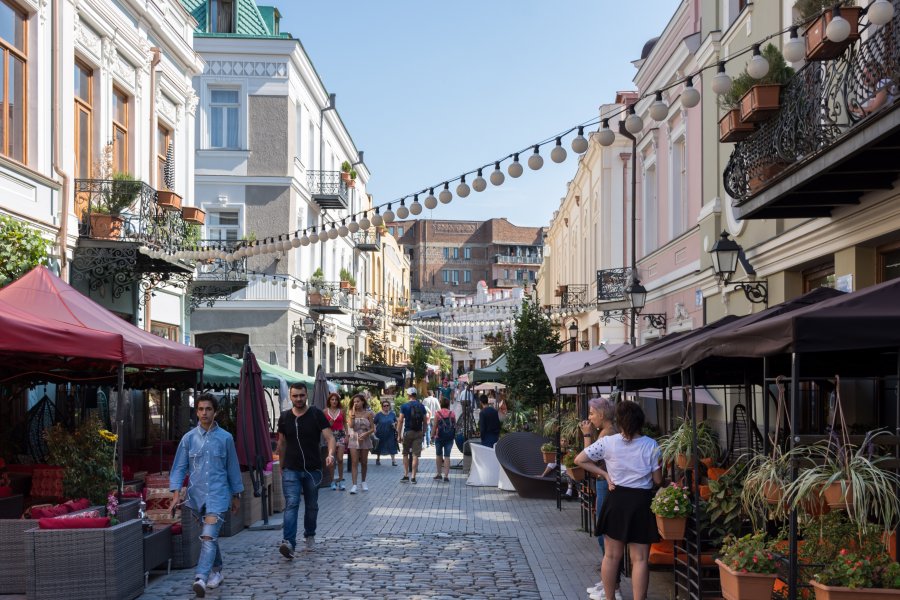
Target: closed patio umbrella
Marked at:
254, 448
319, 396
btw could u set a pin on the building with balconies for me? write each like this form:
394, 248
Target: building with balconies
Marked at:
259, 182
97, 147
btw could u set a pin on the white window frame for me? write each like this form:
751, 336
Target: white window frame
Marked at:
649, 204
678, 185
212, 209
241, 112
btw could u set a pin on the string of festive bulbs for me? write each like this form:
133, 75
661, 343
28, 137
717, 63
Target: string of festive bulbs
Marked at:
879, 12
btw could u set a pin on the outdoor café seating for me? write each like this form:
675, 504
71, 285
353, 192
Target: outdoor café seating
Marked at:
519, 455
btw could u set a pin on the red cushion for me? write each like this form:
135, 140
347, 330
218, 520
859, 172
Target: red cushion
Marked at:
88, 513
74, 523
176, 529
131, 494
47, 482
5, 491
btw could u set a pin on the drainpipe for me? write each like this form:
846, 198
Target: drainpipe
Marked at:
63, 236
151, 176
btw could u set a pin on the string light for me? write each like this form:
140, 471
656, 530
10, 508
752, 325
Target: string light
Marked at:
446, 195
794, 49
536, 161
721, 82
558, 154
462, 190
759, 66
479, 184
430, 200
579, 142
497, 176
515, 167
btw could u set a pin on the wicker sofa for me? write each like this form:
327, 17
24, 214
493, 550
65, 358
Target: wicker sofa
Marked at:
88, 564
519, 455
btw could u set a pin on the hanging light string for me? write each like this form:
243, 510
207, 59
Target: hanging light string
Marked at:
428, 336
879, 12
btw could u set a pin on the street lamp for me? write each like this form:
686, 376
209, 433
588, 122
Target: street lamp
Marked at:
573, 333
637, 295
726, 254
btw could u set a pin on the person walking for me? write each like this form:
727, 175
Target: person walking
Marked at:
412, 424
335, 415
431, 407
444, 428
386, 432
361, 426
601, 414
632, 470
207, 453
488, 423
300, 430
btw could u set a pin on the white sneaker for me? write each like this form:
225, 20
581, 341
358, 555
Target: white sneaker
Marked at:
365, 486
618, 594
215, 578
353, 490
598, 595
199, 588
310, 544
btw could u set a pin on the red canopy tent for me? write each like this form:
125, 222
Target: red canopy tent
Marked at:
52, 330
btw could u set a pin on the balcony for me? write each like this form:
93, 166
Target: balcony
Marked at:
327, 189
572, 295
503, 259
612, 283
834, 139
368, 240
368, 320
509, 283
327, 298
118, 221
217, 279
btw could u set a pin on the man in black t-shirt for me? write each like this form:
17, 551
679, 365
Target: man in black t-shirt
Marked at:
300, 430
488, 423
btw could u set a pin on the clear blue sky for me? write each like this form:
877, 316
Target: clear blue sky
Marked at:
431, 89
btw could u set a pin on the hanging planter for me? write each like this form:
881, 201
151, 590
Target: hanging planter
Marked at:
194, 215
818, 46
168, 200
760, 103
732, 129
836, 497
671, 505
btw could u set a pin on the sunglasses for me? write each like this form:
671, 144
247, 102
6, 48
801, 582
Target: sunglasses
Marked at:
385, 405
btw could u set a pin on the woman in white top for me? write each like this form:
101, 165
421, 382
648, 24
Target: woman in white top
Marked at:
632, 471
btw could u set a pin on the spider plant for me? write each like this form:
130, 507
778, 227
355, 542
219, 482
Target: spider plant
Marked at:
856, 481
680, 442
768, 476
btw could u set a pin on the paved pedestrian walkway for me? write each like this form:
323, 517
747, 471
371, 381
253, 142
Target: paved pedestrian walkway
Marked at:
431, 540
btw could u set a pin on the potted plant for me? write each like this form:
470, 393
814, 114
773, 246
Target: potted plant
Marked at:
731, 127
763, 99
87, 456
314, 286
818, 46
671, 505
747, 567
575, 473
678, 446
352, 281
767, 478
352, 181
345, 278
723, 508
858, 575
345, 171
120, 194
548, 451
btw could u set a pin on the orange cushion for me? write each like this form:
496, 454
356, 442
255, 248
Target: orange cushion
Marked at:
47, 482
74, 523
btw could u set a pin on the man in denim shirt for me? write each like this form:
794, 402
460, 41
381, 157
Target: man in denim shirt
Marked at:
214, 485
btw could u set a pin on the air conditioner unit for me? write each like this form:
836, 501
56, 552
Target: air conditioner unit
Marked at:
454, 283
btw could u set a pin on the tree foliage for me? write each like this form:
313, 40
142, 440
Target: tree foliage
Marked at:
533, 334
498, 343
438, 356
22, 248
418, 358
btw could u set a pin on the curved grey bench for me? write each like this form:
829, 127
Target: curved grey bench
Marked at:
519, 455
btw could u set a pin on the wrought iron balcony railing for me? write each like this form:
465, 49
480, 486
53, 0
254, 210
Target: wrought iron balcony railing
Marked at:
612, 283
327, 297
573, 295
327, 189
368, 240
820, 105
518, 260
505, 282
217, 279
127, 211
368, 320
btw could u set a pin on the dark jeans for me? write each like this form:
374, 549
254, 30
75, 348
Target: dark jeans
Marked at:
489, 439
293, 482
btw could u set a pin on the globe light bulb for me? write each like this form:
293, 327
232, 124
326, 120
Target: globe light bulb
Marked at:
343, 230
430, 200
880, 12
388, 214
721, 82
377, 220
606, 136
415, 208
333, 232
690, 96
295, 243
313, 236
353, 226
795, 48
515, 167
659, 110
838, 29
364, 223
462, 190
497, 177
402, 211
479, 184
633, 123
304, 239
558, 154
535, 161
758, 65
579, 142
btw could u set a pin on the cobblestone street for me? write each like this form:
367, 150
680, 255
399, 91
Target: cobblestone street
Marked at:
430, 540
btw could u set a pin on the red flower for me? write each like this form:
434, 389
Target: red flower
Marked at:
844, 552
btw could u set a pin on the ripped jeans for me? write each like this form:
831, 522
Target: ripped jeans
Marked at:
210, 556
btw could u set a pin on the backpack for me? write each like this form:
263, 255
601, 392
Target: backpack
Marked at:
416, 416
446, 428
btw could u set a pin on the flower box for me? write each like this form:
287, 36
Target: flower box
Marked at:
833, 592
732, 129
168, 200
745, 586
818, 46
575, 473
760, 103
762, 175
671, 529
193, 215
106, 227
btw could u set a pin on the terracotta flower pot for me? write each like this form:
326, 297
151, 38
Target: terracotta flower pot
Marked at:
818, 46
834, 495
760, 103
671, 529
193, 215
345, 176
815, 505
714, 473
773, 493
890, 542
345, 285
168, 200
704, 492
549, 457
314, 299
575, 473
105, 227
732, 129
707, 462
682, 462
833, 592
745, 586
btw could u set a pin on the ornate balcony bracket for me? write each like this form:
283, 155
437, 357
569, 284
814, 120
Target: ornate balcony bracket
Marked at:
102, 265
574, 295
623, 315
756, 292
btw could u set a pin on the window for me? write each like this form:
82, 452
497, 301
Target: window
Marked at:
679, 193
223, 115
120, 130
467, 253
13, 70
648, 215
445, 274
164, 330
163, 139
399, 232
467, 276
446, 253
221, 16
311, 143
84, 119
454, 275
391, 230
223, 225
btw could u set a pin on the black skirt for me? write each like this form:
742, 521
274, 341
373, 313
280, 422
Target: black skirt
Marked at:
625, 516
